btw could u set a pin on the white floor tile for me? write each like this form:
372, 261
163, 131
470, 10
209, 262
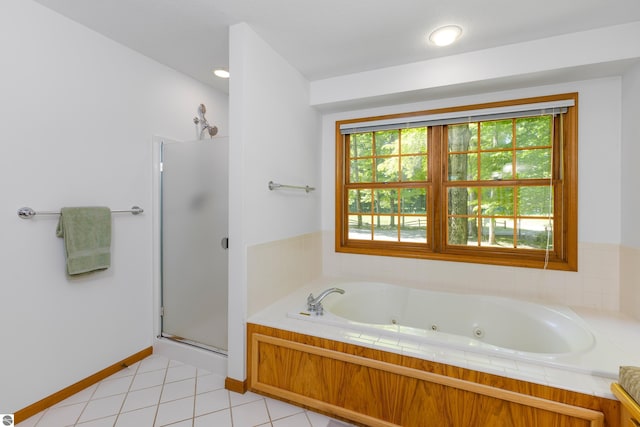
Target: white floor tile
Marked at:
174, 411
125, 372
179, 373
101, 422
250, 414
209, 383
142, 398
185, 423
153, 363
297, 420
203, 372
100, 408
278, 409
318, 420
158, 392
178, 390
110, 387
61, 416
173, 363
82, 396
31, 421
148, 379
139, 418
241, 399
212, 401
334, 423
217, 419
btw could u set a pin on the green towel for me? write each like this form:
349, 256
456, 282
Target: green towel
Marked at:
87, 238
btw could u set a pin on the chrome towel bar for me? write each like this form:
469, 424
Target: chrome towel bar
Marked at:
27, 213
275, 186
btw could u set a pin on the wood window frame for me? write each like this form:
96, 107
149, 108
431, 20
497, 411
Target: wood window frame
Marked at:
563, 256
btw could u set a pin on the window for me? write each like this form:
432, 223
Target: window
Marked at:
492, 183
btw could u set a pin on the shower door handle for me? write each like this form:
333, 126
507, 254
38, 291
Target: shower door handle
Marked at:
224, 243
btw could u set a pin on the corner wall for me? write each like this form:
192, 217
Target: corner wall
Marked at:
78, 115
630, 250
274, 138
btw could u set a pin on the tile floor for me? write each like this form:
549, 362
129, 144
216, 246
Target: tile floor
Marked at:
159, 392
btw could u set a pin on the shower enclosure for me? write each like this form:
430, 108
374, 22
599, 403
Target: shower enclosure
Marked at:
193, 242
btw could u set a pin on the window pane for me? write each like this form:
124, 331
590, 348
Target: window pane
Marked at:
359, 201
413, 141
361, 170
386, 201
534, 233
535, 201
385, 228
361, 145
462, 137
386, 142
496, 165
533, 163
496, 134
463, 167
497, 232
497, 201
414, 168
533, 131
387, 169
462, 231
462, 200
413, 229
413, 200
360, 227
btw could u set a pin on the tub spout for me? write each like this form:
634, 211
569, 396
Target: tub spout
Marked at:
314, 305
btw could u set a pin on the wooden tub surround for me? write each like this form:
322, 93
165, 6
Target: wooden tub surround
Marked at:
371, 387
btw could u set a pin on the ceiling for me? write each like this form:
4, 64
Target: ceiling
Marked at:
332, 37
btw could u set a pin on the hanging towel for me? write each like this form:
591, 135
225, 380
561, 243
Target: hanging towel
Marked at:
87, 238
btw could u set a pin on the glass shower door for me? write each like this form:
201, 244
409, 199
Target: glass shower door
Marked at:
194, 230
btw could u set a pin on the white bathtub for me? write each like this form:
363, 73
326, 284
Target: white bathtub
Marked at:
579, 350
494, 325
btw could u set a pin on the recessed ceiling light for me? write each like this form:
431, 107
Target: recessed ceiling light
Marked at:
221, 72
446, 35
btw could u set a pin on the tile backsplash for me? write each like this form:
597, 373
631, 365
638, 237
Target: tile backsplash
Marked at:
607, 274
596, 284
630, 281
275, 269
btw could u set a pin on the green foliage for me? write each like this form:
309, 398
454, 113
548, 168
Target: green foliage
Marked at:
414, 141
496, 134
533, 131
503, 156
500, 150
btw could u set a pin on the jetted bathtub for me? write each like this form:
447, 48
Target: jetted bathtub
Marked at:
494, 325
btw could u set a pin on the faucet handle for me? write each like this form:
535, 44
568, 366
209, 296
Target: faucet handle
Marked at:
313, 306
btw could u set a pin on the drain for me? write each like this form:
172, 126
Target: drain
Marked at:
394, 322
478, 332
434, 327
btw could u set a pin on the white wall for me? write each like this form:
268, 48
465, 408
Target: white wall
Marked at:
78, 113
274, 137
631, 157
596, 284
630, 250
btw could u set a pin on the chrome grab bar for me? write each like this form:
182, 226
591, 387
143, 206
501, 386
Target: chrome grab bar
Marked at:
275, 186
28, 213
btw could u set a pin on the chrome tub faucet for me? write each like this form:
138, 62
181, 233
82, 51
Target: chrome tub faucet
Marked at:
314, 305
